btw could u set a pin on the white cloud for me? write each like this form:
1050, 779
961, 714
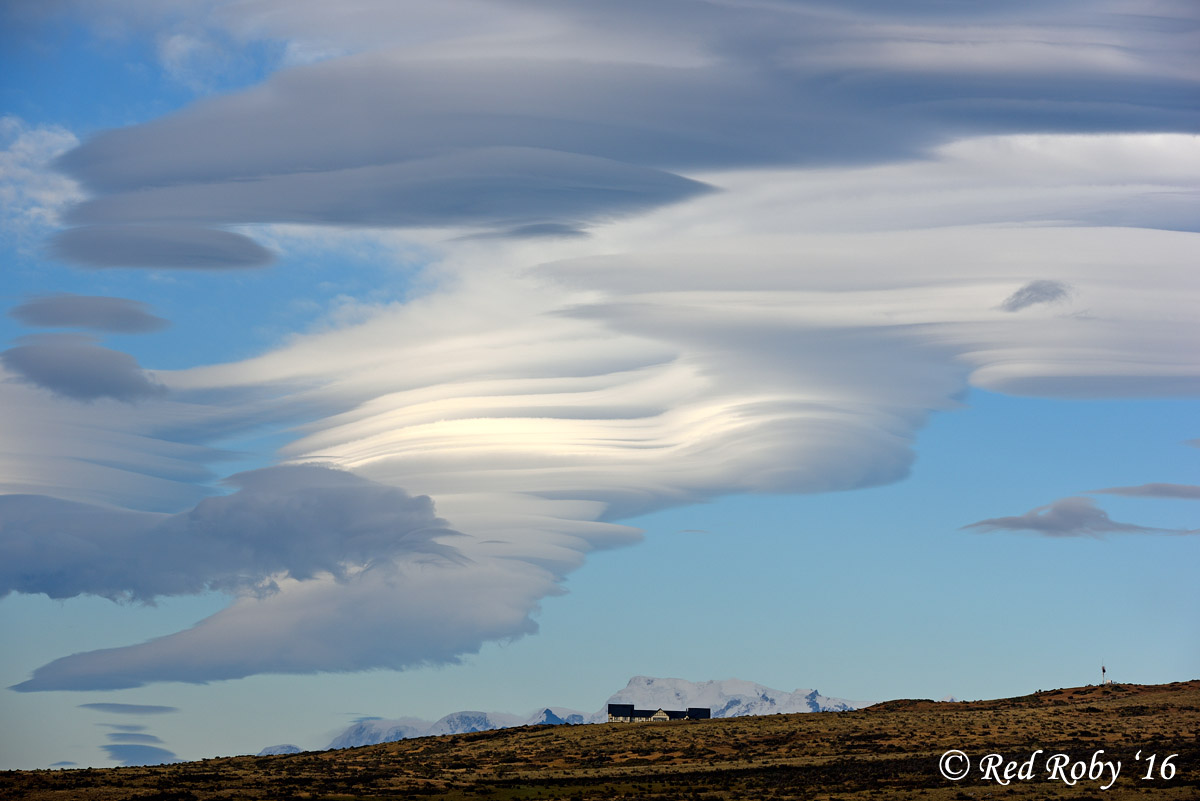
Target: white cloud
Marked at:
790, 333
32, 194
395, 616
778, 336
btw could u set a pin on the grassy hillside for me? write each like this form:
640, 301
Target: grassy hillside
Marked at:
890, 750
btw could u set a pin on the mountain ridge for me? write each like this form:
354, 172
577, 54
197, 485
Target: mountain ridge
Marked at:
725, 697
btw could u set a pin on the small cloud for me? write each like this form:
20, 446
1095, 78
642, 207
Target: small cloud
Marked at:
1156, 490
130, 709
133, 738
129, 755
63, 764
180, 246
123, 726
74, 366
65, 310
1068, 517
1036, 292
191, 60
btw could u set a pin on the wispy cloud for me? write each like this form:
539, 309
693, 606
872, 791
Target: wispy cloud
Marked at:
1156, 490
32, 194
129, 737
129, 709
801, 220
130, 755
547, 390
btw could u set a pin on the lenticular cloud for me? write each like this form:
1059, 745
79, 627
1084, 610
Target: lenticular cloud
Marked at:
783, 277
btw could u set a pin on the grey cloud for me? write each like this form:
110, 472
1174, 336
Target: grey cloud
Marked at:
1101, 386
183, 246
1156, 490
300, 521
544, 229
129, 737
1036, 292
130, 709
64, 764
1068, 517
784, 402
130, 755
74, 366
754, 103
65, 310
394, 616
499, 186
552, 143
130, 727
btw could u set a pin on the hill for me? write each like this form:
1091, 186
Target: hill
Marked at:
728, 698
888, 750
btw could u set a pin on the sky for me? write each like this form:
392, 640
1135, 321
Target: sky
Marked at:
394, 359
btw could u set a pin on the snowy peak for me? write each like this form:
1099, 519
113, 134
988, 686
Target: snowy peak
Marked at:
373, 731
727, 698
556, 716
464, 722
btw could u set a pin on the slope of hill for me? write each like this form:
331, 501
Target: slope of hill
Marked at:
889, 750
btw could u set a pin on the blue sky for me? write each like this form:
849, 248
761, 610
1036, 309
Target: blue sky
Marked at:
514, 349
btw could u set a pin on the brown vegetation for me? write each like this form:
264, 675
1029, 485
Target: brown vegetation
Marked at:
890, 750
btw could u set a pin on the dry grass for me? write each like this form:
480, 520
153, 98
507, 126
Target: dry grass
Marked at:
887, 751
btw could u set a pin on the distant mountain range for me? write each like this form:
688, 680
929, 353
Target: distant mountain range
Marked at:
731, 698
727, 699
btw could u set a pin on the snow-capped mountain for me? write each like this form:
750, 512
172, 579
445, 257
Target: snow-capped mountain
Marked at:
371, 731
730, 698
463, 722
275, 750
378, 730
727, 699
